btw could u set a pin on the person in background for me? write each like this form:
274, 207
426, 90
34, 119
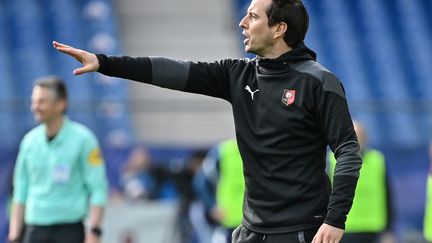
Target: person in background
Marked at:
136, 180
370, 218
143, 178
220, 186
427, 226
187, 196
59, 176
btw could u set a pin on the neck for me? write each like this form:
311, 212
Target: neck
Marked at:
53, 126
278, 49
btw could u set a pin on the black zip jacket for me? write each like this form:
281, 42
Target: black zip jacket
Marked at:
286, 111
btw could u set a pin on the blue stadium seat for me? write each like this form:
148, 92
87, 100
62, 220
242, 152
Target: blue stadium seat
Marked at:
27, 53
101, 37
29, 27
8, 125
416, 43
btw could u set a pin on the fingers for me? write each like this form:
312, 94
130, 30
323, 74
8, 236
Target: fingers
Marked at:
89, 60
328, 234
85, 69
58, 44
320, 239
77, 54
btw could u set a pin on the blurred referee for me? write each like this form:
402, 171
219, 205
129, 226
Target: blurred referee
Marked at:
287, 108
59, 172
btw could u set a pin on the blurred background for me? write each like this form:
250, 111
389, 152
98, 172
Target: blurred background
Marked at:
380, 49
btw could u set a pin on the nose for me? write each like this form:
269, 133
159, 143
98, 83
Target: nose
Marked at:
242, 23
33, 106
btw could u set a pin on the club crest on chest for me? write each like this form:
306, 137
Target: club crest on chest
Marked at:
288, 97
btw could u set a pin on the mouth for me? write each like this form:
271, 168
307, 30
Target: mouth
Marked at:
245, 41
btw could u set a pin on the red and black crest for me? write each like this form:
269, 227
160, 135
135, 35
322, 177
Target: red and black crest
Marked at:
288, 97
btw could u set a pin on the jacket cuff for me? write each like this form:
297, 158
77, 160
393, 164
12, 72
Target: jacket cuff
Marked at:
335, 219
103, 63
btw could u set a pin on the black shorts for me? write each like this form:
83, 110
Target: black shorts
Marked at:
58, 233
244, 235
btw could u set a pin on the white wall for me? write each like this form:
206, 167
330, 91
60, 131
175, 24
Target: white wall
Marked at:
142, 222
188, 30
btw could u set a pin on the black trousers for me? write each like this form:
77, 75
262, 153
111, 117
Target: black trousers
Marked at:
360, 238
243, 235
58, 233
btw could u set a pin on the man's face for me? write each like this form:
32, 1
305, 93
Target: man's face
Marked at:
259, 36
45, 106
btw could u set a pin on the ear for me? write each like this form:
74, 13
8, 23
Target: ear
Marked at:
61, 106
281, 28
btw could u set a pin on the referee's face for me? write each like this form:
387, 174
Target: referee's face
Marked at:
45, 106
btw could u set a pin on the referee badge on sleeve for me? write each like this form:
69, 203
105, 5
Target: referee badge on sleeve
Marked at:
95, 157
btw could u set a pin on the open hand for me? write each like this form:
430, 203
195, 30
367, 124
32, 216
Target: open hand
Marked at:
89, 60
328, 234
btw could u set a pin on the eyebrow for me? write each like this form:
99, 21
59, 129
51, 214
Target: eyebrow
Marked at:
251, 12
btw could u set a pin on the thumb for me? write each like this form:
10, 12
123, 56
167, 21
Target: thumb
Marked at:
82, 70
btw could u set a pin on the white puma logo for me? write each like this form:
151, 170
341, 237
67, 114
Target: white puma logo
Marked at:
250, 91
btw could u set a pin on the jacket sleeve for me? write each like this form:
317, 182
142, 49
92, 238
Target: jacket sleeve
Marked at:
336, 124
196, 77
20, 178
94, 172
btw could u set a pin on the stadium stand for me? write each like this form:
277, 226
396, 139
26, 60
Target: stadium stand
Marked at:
27, 28
7, 93
379, 48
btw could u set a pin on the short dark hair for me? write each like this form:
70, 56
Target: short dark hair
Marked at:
294, 14
55, 84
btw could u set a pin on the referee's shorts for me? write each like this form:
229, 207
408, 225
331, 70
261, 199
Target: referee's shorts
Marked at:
57, 233
244, 235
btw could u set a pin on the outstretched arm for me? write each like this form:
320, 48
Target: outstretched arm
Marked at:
210, 79
89, 60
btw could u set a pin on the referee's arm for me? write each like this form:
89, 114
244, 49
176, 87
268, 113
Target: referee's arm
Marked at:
20, 184
95, 181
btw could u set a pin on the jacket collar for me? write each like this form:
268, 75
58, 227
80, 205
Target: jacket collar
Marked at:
299, 53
